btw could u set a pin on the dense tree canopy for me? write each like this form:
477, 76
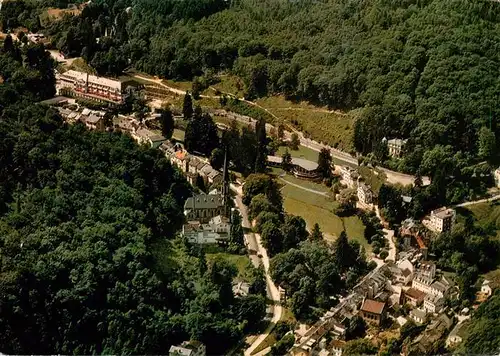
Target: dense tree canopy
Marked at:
81, 213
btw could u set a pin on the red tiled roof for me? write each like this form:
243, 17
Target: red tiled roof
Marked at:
415, 294
372, 306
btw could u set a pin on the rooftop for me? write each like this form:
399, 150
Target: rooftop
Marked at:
76, 75
303, 163
204, 201
443, 213
415, 293
372, 306
418, 313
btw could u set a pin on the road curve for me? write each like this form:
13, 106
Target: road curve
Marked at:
392, 176
254, 243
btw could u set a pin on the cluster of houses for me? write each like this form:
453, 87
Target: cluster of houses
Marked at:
352, 179
412, 281
97, 120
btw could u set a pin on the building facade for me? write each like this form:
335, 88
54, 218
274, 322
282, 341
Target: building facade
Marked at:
203, 207
365, 194
442, 219
395, 147
372, 311
88, 86
349, 176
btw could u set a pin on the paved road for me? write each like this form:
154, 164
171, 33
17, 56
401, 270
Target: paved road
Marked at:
392, 177
486, 200
389, 235
254, 243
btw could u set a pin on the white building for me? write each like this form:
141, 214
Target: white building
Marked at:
433, 303
241, 289
349, 176
442, 219
418, 315
486, 288
395, 146
144, 136
496, 174
80, 84
365, 194
188, 348
217, 230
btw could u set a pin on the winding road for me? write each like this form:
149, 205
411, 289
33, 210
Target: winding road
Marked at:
392, 176
258, 255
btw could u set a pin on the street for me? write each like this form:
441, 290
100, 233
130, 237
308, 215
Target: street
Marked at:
255, 249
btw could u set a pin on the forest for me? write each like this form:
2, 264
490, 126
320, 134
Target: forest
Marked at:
425, 70
81, 214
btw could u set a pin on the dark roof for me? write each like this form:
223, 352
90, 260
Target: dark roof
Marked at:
406, 272
415, 294
372, 306
204, 201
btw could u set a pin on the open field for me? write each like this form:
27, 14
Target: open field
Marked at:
487, 215
316, 208
228, 83
320, 123
177, 84
178, 135
302, 152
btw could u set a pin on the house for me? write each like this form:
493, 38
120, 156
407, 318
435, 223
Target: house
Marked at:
418, 315
203, 207
427, 269
373, 311
442, 219
241, 289
395, 147
414, 297
181, 160
427, 342
336, 347
365, 194
301, 168
349, 176
214, 177
496, 175
457, 334
217, 230
433, 303
188, 348
486, 288
88, 86
147, 137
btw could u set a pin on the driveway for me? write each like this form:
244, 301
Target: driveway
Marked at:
254, 243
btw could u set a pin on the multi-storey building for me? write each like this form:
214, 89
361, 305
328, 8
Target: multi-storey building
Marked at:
365, 194
442, 219
395, 146
88, 86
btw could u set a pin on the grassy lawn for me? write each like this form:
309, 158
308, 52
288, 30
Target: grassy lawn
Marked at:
315, 208
178, 135
242, 263
332, 127
229, 84
302, 152
177, 85
486, 214
306, 184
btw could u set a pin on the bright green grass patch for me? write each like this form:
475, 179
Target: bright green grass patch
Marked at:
319, 209
487, 214
306, 184
177, 84
178, 135
374, 179
242, 263
230, 84
332, 127
302, 152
